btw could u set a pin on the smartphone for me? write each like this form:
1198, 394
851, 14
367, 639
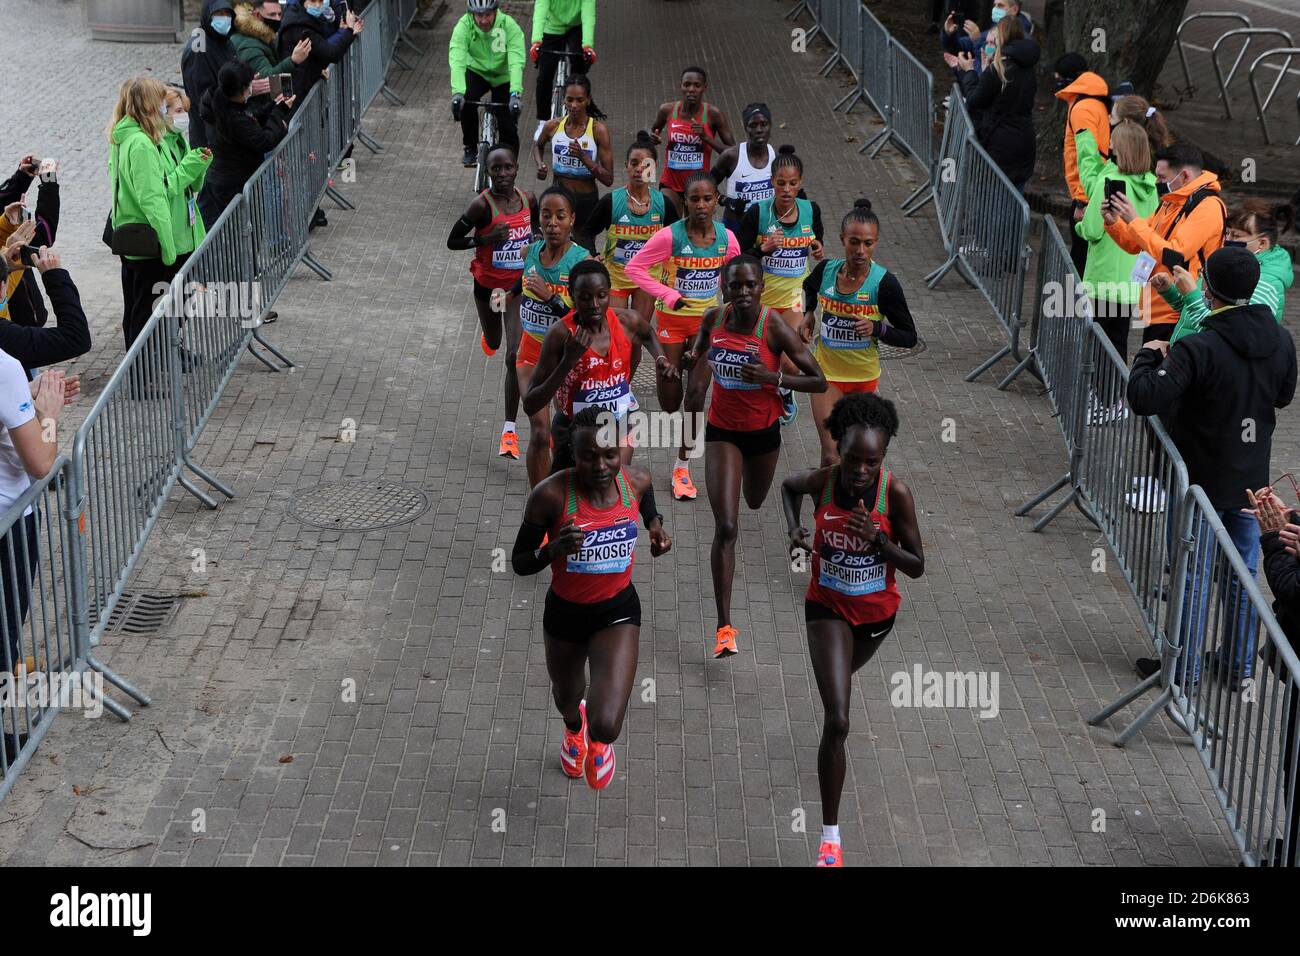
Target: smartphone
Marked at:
26, 253
1171, 258
28, 215
1114, 186
277, 84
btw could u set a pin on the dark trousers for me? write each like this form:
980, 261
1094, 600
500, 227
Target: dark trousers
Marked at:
1078, 244
570, 40
141, 279
19, 550
1115, 319
475, 87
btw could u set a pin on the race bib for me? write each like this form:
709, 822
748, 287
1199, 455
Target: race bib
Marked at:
510, 254
614, 395
605, 550
840, 332
535, 317
850, 573
789, 262
697, 283
727, 364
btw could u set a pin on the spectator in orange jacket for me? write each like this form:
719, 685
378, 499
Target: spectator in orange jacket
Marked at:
1087, 106
1189, 220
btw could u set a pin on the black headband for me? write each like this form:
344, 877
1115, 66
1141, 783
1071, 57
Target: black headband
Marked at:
755, 109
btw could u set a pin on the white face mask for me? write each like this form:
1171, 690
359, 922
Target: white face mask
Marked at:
181, 121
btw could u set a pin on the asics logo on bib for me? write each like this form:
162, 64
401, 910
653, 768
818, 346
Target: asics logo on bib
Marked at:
727, 364
848, 567
697, 283
510, 254
839, 324
605, 550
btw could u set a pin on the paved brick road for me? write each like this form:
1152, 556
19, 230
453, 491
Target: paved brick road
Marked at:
452, 726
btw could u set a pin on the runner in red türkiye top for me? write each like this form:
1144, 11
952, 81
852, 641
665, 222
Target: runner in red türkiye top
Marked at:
601, 380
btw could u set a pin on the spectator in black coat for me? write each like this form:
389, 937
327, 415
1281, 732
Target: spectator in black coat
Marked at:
1217, 393
1001, 98
26, 306
36, 347
1279, 536
204, 55
240, 137
312, 20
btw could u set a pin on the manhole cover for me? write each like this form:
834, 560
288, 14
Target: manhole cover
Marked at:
138, 612
360, 505
894, 353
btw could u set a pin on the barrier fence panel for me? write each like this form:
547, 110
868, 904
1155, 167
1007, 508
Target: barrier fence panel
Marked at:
1238, 682
990, 244
850, 51
832, 24
949, 169
874, 72
814, 9
42, 656
911, 118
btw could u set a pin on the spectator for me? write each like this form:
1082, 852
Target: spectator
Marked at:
1087, 107
313, 20
1279, 527
1107, 275
1189, 220
967, 37
1256, 224
26, 305
254, 42
1003, 98
137, 172
1135, 108
185, 170
31, 344
203, 55
240, 137
1216, 393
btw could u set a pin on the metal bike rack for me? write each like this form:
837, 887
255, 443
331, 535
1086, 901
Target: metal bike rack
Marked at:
1182, 54
1247, 32
1260, 108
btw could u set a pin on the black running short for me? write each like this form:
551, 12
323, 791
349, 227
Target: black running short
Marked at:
874, 631
483, 293
760, 442
576, 623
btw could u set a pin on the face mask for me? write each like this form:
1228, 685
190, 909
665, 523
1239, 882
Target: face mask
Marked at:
315, 11
5, 300
1162, 189
998, 14
1209, 301
990, 49
181, 122
1062, 83
221, 25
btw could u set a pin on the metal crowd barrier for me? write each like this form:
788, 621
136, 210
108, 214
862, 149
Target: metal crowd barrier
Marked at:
1261, 106
42, 657
989, 243
909, 120
95, 511
1248, 33
874, 71
1182, 52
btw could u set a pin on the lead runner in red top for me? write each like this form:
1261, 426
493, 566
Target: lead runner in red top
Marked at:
852, 599
694, 131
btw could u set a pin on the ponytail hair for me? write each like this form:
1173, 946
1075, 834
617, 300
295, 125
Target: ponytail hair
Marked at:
642, 141
1138, 110
861, 212
785, 157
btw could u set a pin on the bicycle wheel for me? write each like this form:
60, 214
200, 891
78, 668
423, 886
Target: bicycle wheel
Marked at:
487, 142
557, 91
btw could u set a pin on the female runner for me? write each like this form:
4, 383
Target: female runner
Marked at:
746, 168
580, 152
695, 131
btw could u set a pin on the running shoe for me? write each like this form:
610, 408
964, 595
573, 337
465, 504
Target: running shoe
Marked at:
573, 750
789, 410
829, 854
509, 445
470, 159
726, 641
683, 488
487, 349
600, 765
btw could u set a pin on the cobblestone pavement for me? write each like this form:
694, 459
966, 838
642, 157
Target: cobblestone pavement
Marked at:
452, 728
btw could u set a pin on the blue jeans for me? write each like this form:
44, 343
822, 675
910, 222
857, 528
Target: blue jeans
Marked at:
1235, 615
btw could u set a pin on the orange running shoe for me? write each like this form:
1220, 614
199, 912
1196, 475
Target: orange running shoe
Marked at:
829, 854
573, 750
683, 487
509, 445
487, 350
726, 641
600, 765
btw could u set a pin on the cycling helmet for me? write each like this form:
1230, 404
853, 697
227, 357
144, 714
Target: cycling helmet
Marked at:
481, 6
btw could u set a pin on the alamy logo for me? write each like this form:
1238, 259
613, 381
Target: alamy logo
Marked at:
103, 909
954, 689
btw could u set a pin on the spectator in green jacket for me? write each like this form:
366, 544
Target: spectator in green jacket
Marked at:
1256, 225
254, 42
1115, 297
560, 25
486, 54
142, 184
185, 170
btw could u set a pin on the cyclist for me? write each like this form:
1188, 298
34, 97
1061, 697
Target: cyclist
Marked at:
486, 54
560, 25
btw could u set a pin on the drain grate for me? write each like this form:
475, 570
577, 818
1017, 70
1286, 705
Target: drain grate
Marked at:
892, 353
138, 612
360, 505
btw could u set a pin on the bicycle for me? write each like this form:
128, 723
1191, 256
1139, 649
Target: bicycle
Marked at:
487, 139
561, 79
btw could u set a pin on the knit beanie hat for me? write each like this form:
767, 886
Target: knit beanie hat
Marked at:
1231, 274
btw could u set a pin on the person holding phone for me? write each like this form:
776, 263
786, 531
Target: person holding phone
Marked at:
865, 529
308, 20
741, 347
241, 136
582, 523
1107, 274
26, 306
38, 346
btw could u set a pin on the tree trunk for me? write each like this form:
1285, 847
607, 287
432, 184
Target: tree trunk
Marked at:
1135, 38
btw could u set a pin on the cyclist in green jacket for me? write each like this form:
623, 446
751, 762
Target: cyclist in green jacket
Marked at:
560, 25
486, 53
